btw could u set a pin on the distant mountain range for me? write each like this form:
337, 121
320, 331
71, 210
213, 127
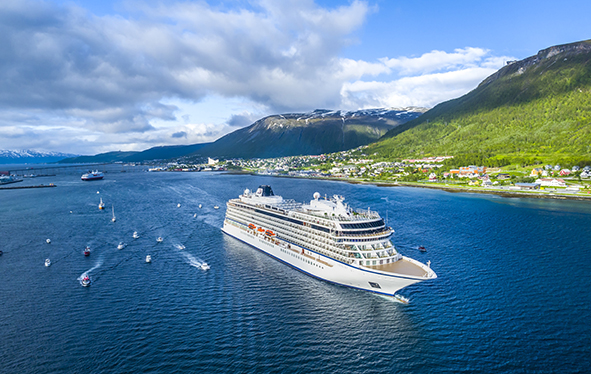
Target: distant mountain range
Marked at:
155, 153
27, 156
536, 110
320, 131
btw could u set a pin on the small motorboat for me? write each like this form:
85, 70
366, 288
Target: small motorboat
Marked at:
179, 246
401, 299
87, 251
422, 249
48, 241
159, 240
200, 206
195, 215
136, 235
216, 207
121, 245
148, 259
85, 282
178, 205
47, 262
113, 209
204, 266
101, 204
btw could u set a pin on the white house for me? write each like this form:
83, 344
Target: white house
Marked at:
551, 182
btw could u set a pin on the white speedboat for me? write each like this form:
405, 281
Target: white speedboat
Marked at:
195, 215
47, 262
121, 245
200, 206
216, 207
85, 282
48, 241
101, 204
113, 210
178, 205
135, 235
159, 240
204, 266
148, 259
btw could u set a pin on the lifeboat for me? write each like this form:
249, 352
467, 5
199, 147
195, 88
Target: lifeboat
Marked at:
251, 226
270, 233
260, 229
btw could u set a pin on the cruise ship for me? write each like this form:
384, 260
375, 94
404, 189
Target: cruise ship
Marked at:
326, 239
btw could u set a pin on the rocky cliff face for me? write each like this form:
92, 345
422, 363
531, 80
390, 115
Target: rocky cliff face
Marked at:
546, 57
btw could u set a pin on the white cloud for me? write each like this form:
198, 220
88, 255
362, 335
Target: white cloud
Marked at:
422, 81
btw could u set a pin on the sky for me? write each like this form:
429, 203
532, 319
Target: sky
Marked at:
87, 76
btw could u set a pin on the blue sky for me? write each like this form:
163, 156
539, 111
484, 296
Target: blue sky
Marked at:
95, 76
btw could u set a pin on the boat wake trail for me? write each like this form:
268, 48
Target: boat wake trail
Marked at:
98, 264
192, 260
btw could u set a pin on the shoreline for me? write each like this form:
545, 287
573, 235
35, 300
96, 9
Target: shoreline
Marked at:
510, 194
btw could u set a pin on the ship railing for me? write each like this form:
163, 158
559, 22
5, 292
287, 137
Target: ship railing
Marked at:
346, 235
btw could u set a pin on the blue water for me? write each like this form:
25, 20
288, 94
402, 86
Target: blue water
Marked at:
512, 296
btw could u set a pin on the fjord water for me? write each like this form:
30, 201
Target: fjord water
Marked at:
512, 293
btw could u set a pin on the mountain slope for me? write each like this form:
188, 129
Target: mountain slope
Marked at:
320, 131
534, 110
155, 153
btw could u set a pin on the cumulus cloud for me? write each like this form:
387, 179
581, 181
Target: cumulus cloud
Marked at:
108, 81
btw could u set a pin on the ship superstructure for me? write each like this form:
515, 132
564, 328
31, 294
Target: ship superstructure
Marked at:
325, 238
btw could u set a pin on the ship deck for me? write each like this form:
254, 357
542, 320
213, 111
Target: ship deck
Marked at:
402, 267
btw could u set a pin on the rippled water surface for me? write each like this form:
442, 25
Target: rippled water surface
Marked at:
512, 293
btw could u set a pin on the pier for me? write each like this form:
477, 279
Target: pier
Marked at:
21, 187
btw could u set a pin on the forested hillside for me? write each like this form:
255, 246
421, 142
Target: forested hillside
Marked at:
530, 111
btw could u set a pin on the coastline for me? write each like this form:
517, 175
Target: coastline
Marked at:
511, 194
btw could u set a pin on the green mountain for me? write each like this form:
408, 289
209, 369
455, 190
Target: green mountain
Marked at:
320, 131
530, 111
155, 153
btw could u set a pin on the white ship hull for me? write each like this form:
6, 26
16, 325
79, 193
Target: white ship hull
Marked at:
321, 266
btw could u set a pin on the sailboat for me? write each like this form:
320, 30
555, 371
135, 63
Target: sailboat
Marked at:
136, 235
113, 209
101, 204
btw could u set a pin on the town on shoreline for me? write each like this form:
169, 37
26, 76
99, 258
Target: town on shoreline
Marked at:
537, 181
